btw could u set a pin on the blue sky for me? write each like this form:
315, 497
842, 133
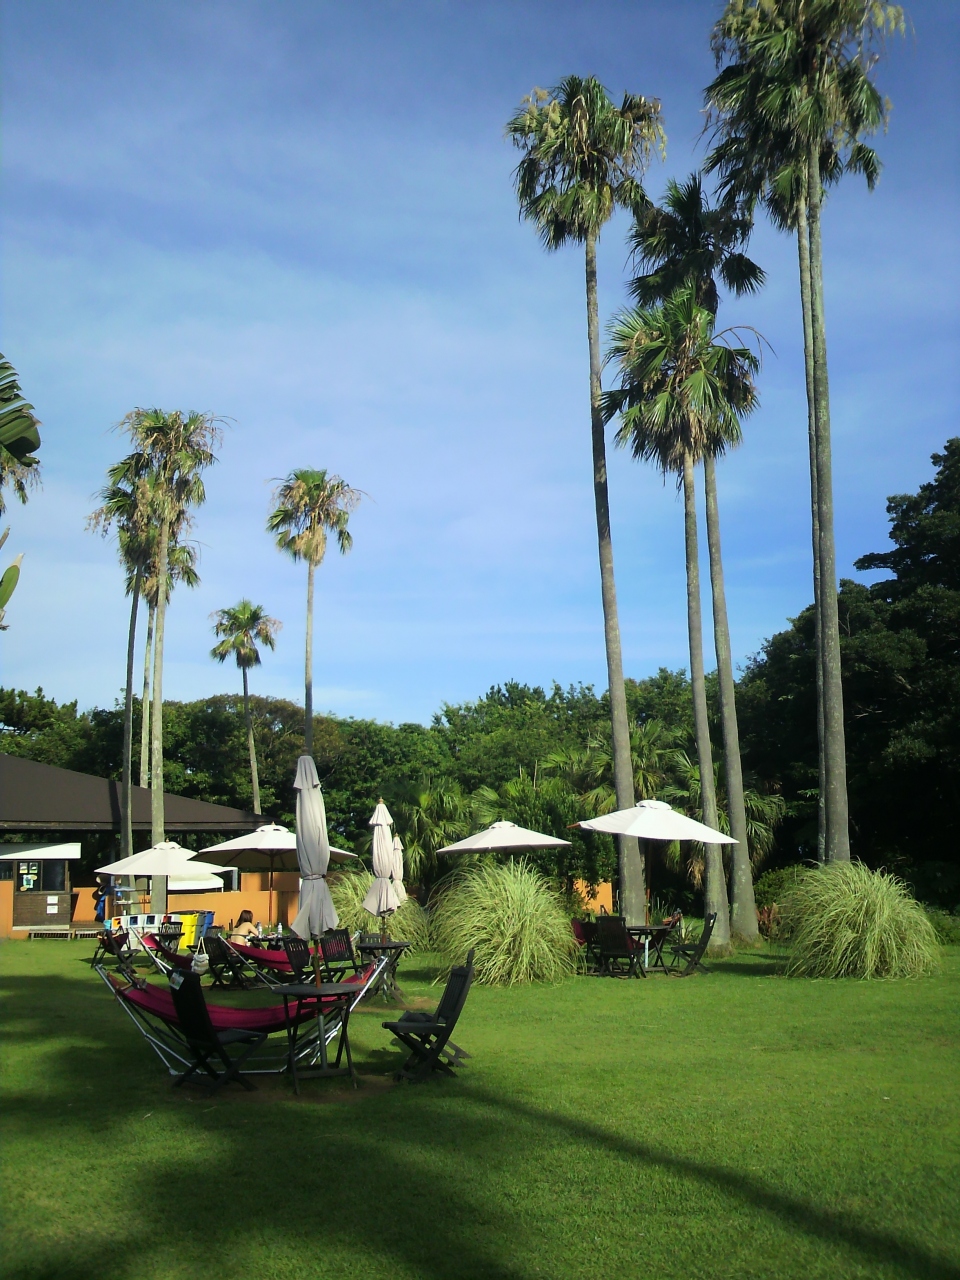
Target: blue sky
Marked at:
300, 216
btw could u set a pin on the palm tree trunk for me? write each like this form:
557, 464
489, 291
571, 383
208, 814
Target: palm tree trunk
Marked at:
145, 703
631, 865
251, 745
803, 248
126, 774
308, 677
715, 893
743, 907
838, 825
158, 896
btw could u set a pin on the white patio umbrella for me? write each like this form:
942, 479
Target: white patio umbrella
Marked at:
164, 859
505, 835
317, 913
396, 875
382, 897
655, 820
270, 844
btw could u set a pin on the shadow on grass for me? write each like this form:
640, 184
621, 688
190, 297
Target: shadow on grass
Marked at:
437, 1152
823, 1224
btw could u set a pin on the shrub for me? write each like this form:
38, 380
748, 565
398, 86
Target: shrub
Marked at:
512, 918
773, 886
409, 924
846, 921
945, 926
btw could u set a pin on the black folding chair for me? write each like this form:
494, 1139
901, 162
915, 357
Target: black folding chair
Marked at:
585, 932
113, 946
618, 952
207, 1044
687, 957
427, 1035
337, 954
301, 960
168, 933
226, 967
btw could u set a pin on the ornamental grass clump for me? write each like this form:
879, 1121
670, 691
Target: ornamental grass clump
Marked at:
512, 918
410, 923
846, 921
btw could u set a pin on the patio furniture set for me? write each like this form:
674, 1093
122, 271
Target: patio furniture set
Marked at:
303, 1032
612, 948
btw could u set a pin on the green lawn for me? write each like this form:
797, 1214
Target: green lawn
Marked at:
731, 1125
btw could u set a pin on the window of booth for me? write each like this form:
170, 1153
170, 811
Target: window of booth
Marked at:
40, 874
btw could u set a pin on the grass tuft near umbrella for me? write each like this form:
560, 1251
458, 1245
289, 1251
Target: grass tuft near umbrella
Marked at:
409, 924
514, 920
846, 921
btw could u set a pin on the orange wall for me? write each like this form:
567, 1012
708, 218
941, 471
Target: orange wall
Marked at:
602, 898
6, 908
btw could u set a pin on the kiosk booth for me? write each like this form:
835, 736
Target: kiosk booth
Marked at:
41, 883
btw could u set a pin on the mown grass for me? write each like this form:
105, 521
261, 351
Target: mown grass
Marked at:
737, 1124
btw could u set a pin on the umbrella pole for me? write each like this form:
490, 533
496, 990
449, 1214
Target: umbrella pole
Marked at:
270, 894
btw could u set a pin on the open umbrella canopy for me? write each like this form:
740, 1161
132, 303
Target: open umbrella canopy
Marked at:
269, 845
655, 820
317, 913
505, 835
382, 898
164, 859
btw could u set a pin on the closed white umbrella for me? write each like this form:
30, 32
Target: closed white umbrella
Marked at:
396, 875
317, 913
655, 820
505, 835
164, 859
381, 899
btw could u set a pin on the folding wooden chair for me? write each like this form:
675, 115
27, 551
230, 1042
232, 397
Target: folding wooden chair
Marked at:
617, 949
300, 957
226, 967
337, 954
427, 1035
585, 932
206, 1043
692, 952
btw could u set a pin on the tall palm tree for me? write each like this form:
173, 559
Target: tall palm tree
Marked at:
681, 395
792, 105
582, 159
311, 504
181, 567
689, 243
125, 504
241, 629
175, 448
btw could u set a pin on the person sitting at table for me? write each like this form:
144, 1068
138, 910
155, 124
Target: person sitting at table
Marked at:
244, 931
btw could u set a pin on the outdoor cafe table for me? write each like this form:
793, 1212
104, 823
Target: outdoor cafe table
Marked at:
377, 947
653, 937
333, 999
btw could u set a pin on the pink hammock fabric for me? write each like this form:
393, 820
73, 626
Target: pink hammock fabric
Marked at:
263, 956
159, 1002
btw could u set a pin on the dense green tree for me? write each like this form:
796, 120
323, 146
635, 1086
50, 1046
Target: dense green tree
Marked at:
583, 158
899, 643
